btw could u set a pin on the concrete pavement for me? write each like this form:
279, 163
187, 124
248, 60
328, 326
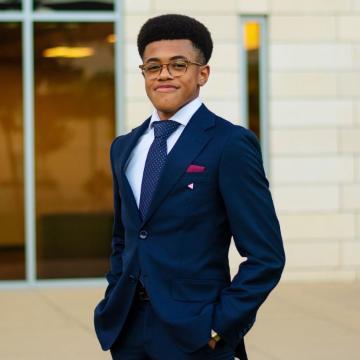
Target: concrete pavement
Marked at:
299, 321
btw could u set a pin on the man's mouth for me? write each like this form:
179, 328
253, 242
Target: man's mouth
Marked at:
166, 88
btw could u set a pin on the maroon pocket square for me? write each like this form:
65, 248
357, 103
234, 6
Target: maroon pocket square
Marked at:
195, 168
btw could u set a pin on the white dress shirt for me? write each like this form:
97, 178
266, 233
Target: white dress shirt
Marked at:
136, 162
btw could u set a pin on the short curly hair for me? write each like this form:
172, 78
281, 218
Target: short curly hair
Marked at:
174, 27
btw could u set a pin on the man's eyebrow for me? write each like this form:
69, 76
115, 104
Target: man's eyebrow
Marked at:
154, 59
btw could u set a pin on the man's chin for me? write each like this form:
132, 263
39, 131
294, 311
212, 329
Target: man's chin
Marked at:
166, 104
166, 108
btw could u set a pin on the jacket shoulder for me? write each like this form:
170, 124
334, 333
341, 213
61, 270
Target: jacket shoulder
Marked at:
121, 139
116, 143
233, 131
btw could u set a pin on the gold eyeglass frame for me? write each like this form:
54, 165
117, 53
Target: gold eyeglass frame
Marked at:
186, 61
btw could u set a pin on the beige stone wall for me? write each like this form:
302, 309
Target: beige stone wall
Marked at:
315, 138
314, 106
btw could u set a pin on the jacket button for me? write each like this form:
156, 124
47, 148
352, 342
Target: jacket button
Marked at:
143, 234
132, 277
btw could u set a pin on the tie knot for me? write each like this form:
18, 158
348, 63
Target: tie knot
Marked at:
164, 128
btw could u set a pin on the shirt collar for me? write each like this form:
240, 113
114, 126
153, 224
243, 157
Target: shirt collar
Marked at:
183, 115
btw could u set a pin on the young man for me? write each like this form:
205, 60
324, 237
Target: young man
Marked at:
185, 182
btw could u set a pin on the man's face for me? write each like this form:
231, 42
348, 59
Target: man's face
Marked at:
166, 92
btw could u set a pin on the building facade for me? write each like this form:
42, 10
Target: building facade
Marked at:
286, 69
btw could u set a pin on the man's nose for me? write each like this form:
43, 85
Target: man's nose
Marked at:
165, 74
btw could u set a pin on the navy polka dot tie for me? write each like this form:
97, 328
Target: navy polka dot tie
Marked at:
155, 162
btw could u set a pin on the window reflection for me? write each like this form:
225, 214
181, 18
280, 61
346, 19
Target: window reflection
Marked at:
12, 263
74, 112
10, 4
89, 5
252, 41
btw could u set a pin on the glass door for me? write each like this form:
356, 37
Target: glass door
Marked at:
58, 117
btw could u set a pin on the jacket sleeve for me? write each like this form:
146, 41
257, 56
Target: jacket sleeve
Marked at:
117, 242
256, 232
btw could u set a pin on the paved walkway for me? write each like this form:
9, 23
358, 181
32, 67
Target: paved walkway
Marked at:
298, 322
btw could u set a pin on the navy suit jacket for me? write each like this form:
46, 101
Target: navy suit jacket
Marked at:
182, 244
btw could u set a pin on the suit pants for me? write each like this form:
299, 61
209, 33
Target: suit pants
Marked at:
144, 338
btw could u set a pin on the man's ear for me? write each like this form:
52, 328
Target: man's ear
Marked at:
204, 75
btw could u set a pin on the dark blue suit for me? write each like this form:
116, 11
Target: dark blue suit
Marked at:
182, 244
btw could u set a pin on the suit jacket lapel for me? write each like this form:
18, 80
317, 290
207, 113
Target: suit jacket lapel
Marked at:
125, 188
190, 143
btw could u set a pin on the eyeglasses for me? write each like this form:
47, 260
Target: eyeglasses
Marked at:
175, 68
